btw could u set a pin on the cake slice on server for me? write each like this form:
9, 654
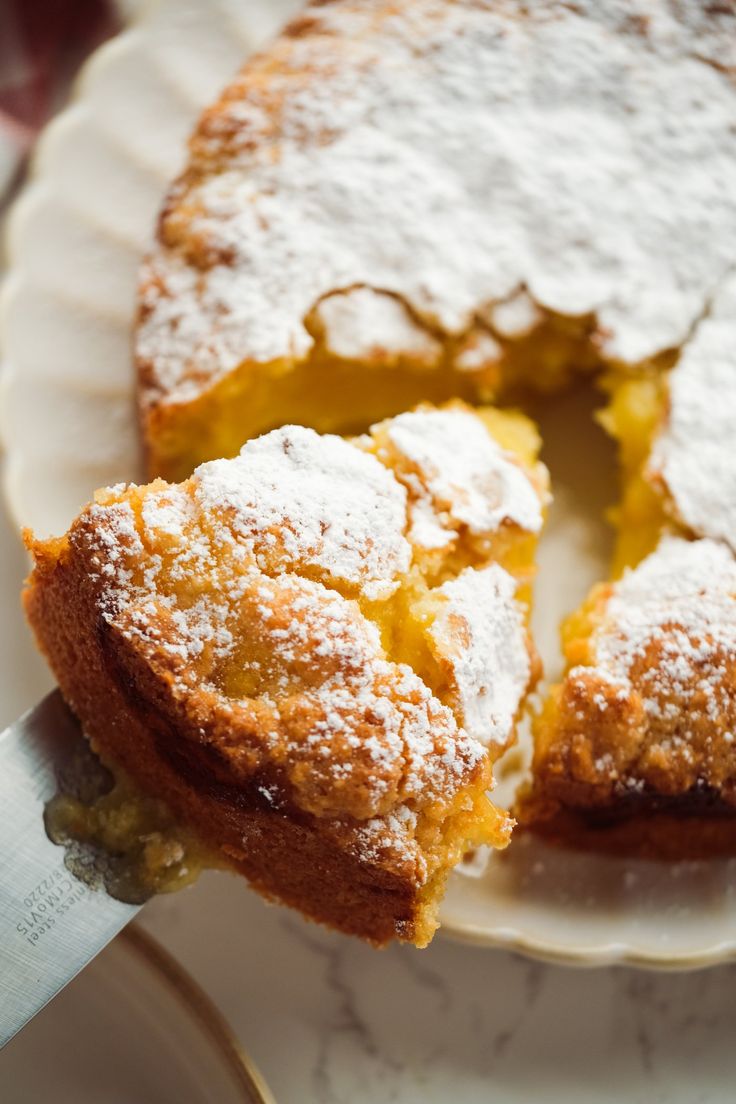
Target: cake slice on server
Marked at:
311, 653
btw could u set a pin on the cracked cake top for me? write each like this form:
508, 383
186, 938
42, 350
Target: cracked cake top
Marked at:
389, 175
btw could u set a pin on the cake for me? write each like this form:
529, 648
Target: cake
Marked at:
311, 653
421, 200
634, 750
418, 200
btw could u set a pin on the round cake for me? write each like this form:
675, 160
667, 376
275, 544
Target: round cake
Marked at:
314, 647
479, 198
437, 198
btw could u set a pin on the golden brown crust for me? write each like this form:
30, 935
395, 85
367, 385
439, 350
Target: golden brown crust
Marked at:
287, 855
689, 832
635, 749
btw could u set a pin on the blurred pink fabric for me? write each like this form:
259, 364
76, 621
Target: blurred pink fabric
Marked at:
42, 44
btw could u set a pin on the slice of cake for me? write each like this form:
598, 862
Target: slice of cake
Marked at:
312, 652
636, 749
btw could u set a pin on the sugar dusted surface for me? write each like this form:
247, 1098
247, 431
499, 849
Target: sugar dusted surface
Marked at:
480, 637
664, 670
514, 317
458, 477
685, 595
298, 500
695, 455
449, 154
368, 326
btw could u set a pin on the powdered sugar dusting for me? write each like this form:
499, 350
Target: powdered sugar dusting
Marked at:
392, 835
448, 154
515, 317
479, 636
458, 476
684, 592
667, 650
695, 455
304, 501
373, 327
479, 350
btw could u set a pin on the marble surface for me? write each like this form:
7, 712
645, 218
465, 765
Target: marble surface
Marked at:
332, 1022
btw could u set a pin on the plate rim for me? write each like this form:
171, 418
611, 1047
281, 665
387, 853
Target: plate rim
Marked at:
511, 938
202, 1009
35, 177
621, 954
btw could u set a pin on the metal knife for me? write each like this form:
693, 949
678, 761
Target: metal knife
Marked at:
51, 924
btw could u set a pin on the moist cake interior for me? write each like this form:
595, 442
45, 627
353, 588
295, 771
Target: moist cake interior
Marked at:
345, 385
519, 354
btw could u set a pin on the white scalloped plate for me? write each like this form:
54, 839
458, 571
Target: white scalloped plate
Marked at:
75, 239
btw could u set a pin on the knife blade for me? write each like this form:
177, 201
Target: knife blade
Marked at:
51, 924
